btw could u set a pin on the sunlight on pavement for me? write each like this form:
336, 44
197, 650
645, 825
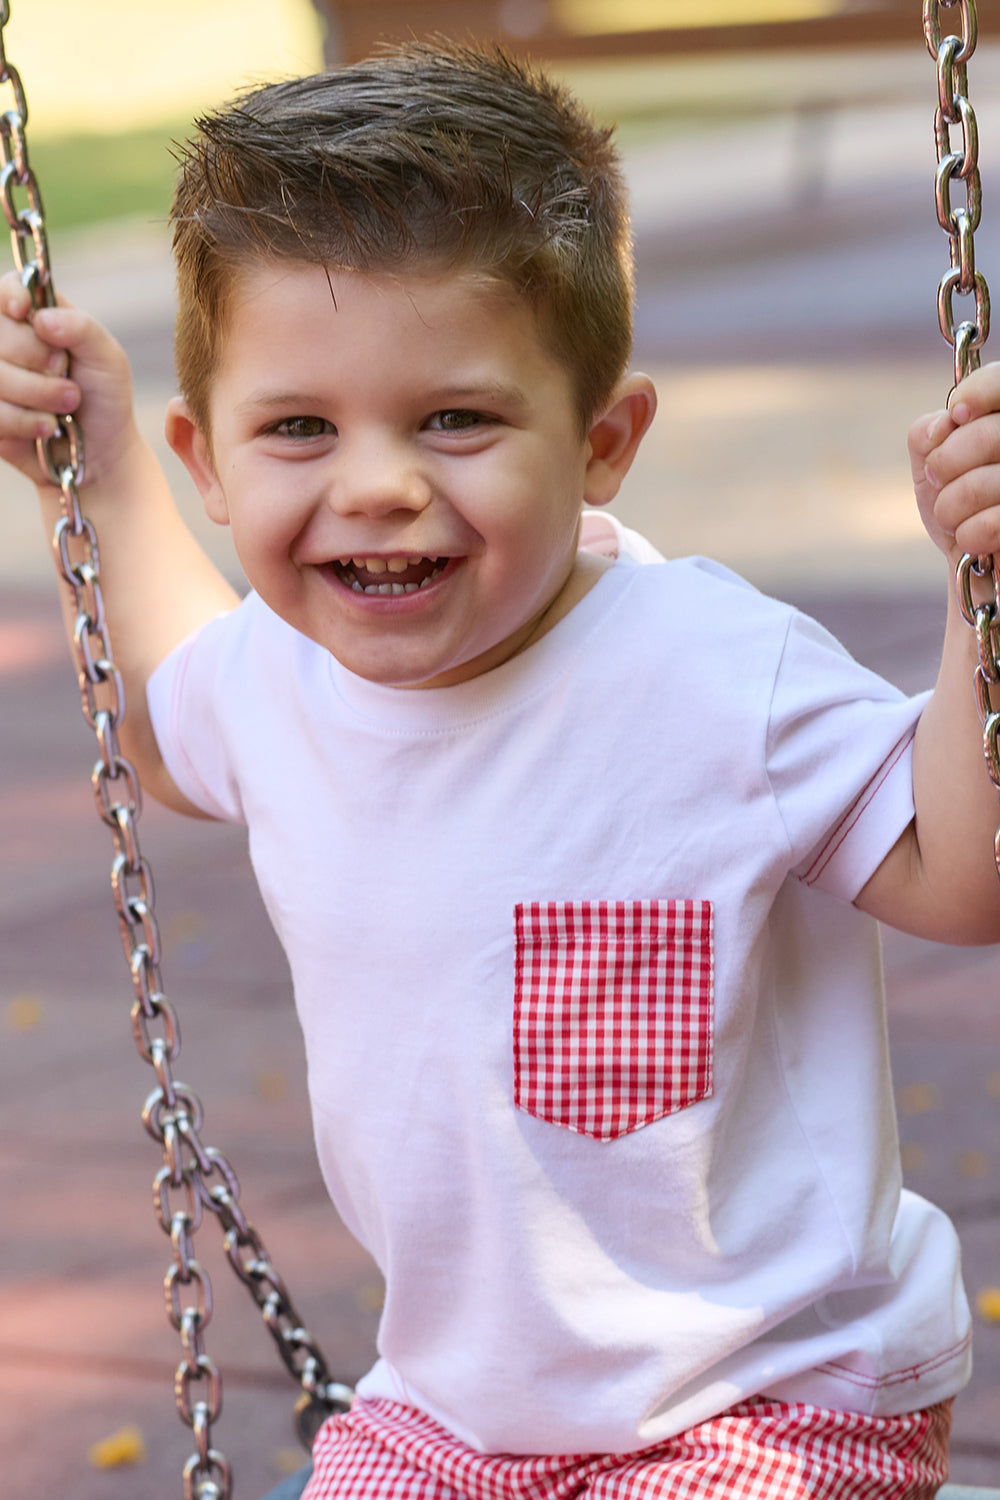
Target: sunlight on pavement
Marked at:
118, 64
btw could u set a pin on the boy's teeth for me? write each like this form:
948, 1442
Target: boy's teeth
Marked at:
391, 588
383, 564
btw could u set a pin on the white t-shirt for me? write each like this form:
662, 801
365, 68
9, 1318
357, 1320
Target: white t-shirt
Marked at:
596, 1042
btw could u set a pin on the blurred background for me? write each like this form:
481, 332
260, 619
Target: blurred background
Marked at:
781, 161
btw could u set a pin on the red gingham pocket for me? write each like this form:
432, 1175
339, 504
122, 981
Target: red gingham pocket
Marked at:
613, 1011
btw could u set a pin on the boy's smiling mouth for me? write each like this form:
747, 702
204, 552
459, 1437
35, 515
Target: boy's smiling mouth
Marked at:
388, 575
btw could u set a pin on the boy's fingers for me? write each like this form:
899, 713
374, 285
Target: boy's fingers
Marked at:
65, 328
967, 508
980, 532
20, 424
978, 394
32, 379
966, 449
926, 434
14, 299
928, 440
20, 345
91, 347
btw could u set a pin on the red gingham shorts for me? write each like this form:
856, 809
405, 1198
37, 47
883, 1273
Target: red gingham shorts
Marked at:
759, 1450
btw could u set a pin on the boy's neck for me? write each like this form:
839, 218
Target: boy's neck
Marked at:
587, 569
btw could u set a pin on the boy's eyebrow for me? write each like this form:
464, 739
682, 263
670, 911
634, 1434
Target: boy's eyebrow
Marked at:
485, 391
480, 391
264, 400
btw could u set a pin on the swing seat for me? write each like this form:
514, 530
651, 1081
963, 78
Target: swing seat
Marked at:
292, 1487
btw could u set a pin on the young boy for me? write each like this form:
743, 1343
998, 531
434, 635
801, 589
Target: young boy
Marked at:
575, 861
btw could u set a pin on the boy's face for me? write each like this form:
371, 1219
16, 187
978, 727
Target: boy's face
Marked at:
402, 467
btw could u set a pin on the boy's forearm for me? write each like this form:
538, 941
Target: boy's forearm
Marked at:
957, 804
941, 880
157, 584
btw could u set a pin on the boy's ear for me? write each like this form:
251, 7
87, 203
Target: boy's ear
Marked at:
615, 436
194, 451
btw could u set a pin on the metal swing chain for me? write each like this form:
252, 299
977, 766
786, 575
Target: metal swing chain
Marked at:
977, 578
194, 1177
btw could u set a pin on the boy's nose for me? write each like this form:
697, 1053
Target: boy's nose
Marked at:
377, 478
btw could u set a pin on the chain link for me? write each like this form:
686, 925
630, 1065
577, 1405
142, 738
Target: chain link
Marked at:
194, 1177
956, 134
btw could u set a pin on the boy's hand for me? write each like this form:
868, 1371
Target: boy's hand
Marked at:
35, 354
955, 455
145, 545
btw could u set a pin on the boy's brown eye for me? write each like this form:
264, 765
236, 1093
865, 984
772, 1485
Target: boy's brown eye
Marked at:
303, 427
458, 419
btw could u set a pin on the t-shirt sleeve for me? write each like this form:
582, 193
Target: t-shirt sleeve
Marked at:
187, 697
839, 759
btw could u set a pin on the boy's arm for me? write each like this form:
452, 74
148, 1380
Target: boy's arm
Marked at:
940, 880
157, 583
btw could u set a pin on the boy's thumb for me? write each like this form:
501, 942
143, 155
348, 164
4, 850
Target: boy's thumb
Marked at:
63, 327
93, 350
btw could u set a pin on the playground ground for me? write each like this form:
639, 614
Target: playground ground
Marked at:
792, 341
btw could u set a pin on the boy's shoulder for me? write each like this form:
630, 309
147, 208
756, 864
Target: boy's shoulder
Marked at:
694, 620
689, 617
682, 585
605, 535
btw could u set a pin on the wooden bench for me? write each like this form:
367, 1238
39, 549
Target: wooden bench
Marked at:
546, 27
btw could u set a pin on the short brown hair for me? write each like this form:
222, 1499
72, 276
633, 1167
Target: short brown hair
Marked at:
427, 154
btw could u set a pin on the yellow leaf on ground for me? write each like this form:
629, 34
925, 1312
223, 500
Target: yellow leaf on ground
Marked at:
988, 1304
23, 1013
919, 1098
272, 1085
121, 1449
912, 1156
